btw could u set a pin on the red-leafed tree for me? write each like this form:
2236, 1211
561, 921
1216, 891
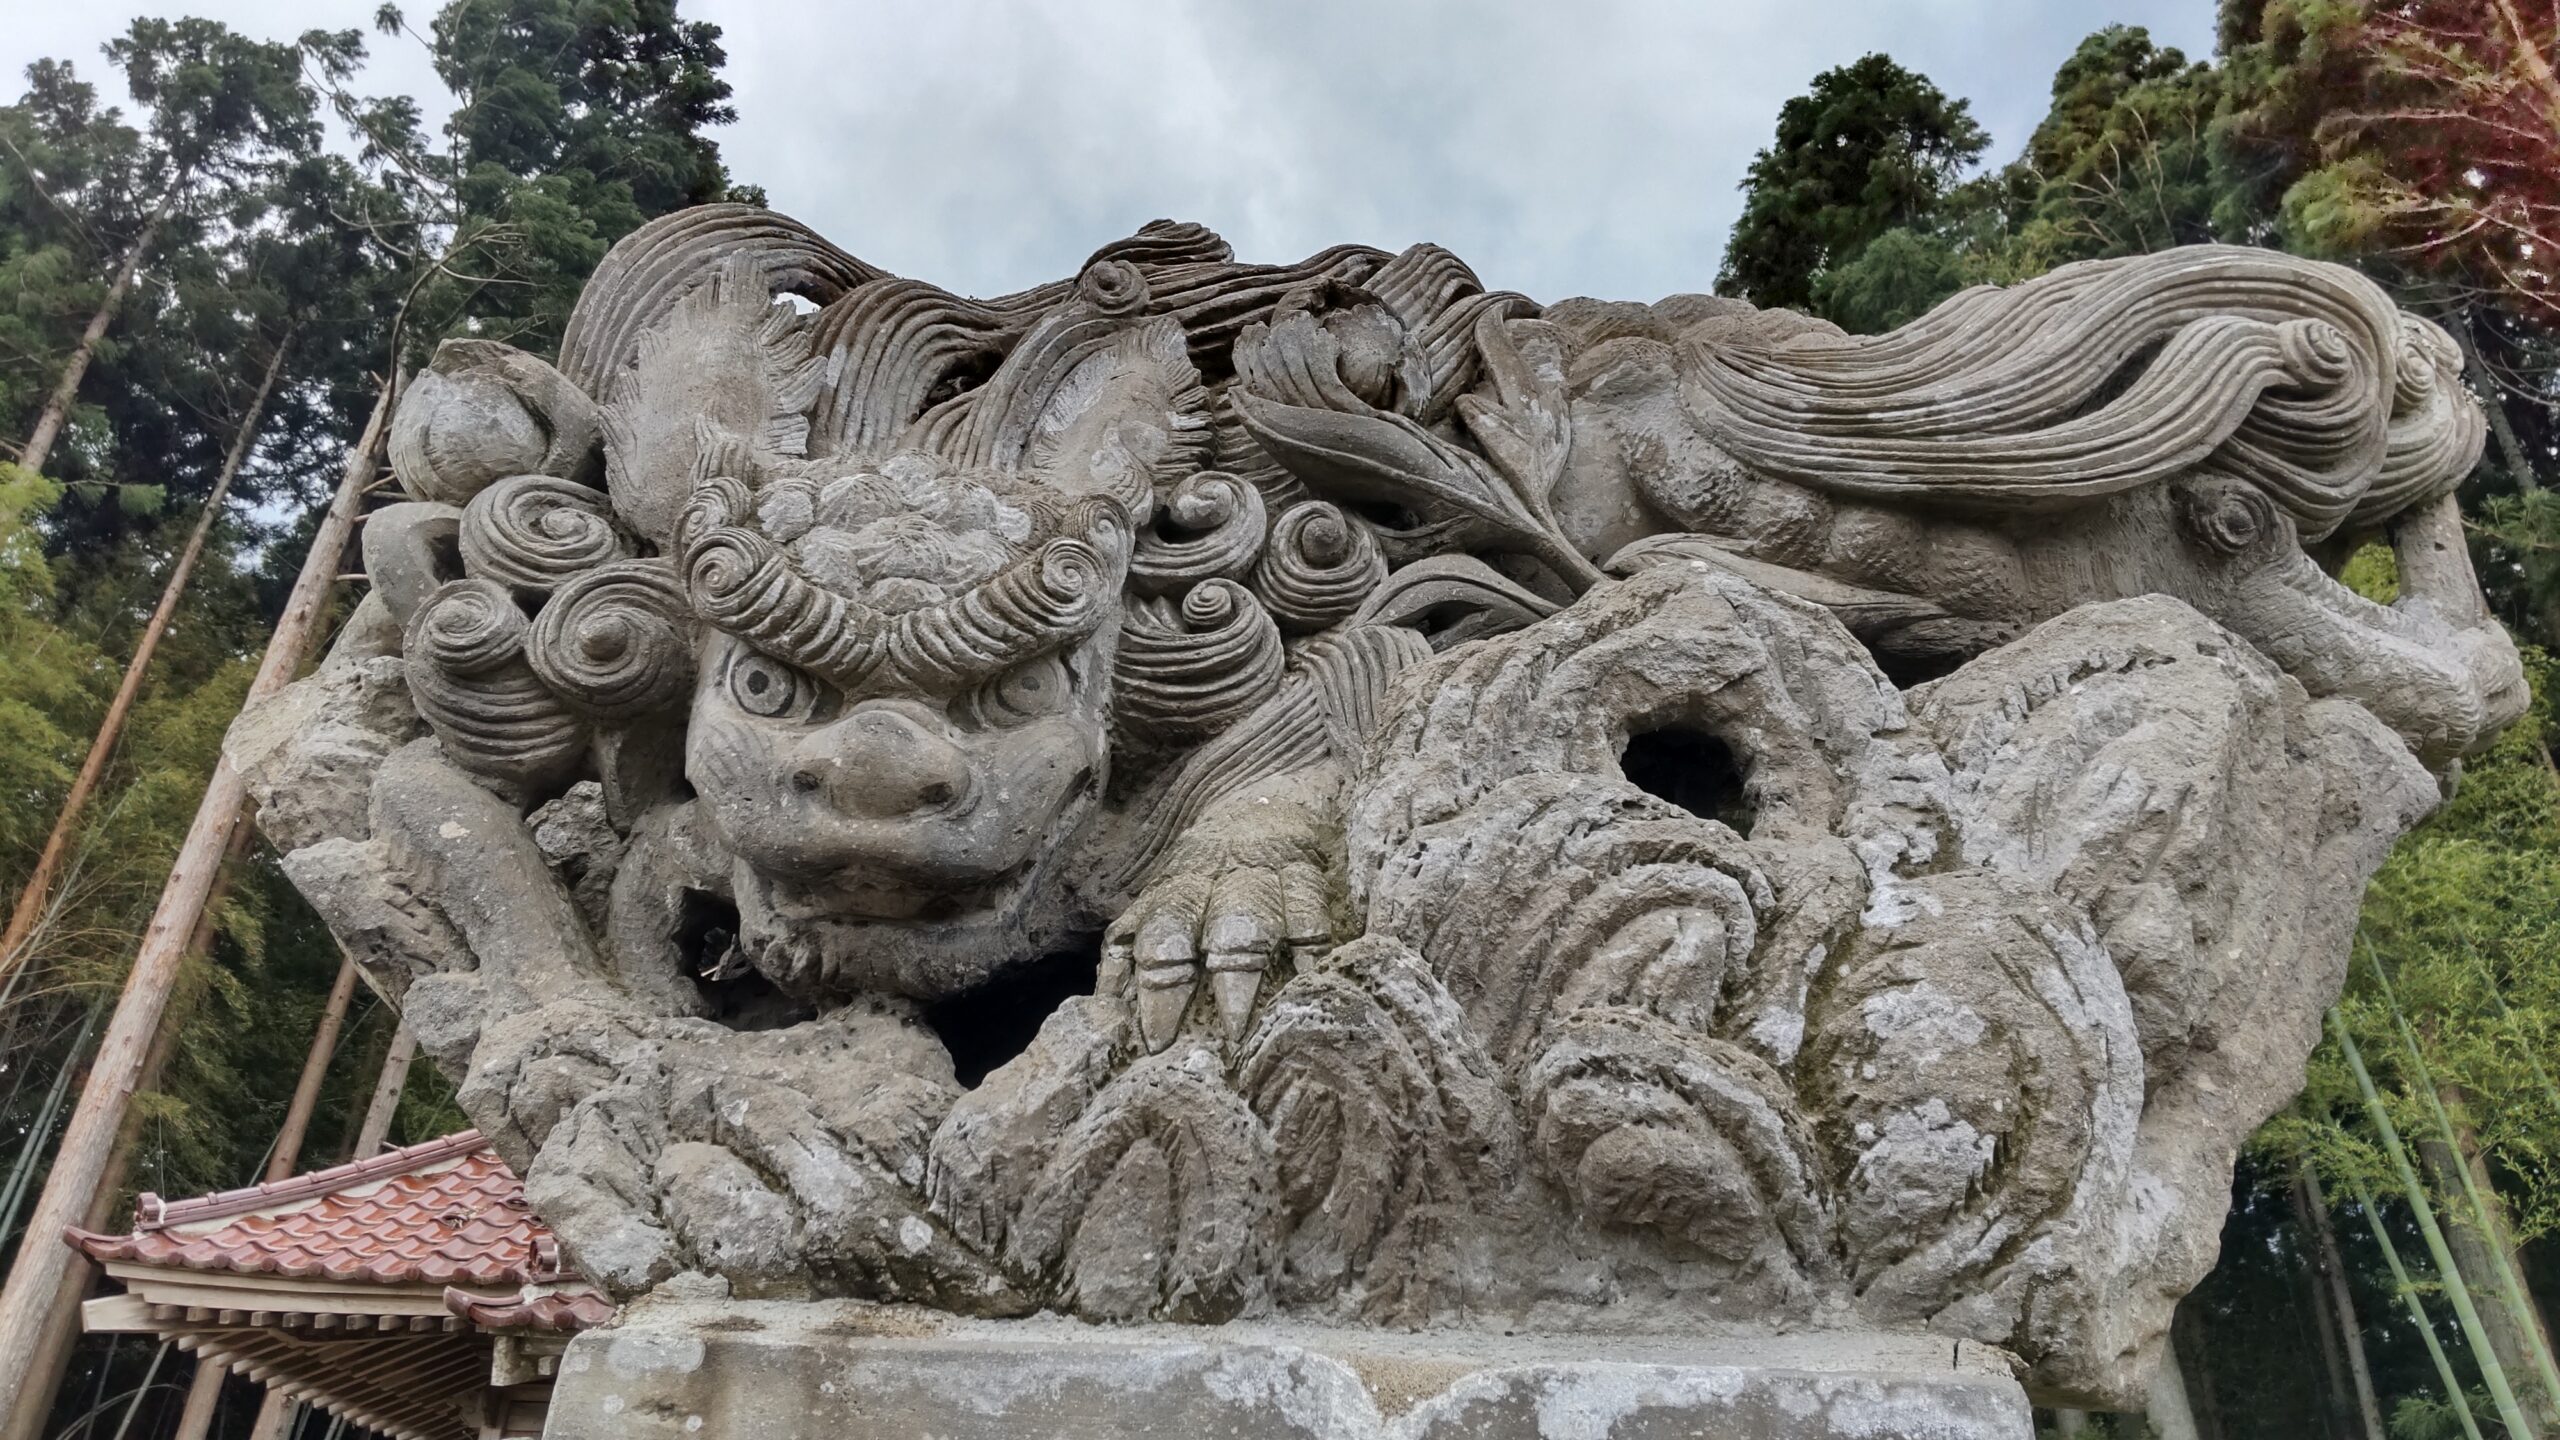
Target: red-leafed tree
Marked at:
2453, 159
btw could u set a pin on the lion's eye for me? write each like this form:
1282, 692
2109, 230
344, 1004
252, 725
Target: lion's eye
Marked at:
767, 687
1026, 692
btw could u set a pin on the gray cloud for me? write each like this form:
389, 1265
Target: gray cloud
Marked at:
1562, 148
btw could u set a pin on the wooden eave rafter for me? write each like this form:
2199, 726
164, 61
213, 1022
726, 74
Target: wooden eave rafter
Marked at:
390, 1358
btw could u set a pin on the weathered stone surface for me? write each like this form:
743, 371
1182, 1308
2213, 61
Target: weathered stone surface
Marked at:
1488, 753
800, 1373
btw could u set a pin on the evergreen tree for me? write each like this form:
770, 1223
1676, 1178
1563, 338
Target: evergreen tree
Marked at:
576, 121
220, 110
1870, 147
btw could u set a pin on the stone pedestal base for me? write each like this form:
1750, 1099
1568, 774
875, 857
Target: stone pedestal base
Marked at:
770, 1371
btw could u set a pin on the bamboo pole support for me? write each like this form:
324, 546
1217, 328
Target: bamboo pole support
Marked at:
31, 898
388, 1087
81, 1160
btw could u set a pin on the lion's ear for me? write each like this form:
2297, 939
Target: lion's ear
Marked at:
726, 362
1096, 400
679, 330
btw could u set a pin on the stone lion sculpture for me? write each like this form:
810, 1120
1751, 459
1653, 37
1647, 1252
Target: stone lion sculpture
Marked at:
1213, 789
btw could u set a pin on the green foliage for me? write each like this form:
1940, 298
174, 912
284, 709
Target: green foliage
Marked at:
576, 120
1871, 147
2428, 1417
2122, 163
1900, 276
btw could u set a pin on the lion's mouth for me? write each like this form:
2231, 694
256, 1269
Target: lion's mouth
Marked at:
2433, 664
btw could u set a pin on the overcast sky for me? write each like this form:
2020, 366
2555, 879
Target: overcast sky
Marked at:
1561, 147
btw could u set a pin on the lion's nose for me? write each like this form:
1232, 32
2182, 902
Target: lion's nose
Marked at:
884, 763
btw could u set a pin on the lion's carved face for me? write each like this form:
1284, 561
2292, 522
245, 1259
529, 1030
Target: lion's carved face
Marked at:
906, 717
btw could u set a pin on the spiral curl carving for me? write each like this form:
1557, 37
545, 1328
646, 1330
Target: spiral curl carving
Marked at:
1320, 567
1114, 288
1190, 668
617, 642
2316, 352
468, 673
1211, 527
534, 532
2227, 516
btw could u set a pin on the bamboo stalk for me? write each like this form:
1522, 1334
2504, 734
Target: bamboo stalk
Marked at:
31, 898
2417, 1310
24, 1170
2510, 1286
125, 1426
42, 1259
2515, 1024
2510, 1413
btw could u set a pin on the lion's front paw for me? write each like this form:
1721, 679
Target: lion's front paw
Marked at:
1230, 903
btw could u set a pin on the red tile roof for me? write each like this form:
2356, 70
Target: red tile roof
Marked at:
562, 1311
448, 1212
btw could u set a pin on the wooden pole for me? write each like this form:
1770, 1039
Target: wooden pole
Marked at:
203, 1394
276, 1415
81, 1161
57, 406
276, 1411
2168, 1408
31, 899
25, 1420
387, 1089
315, 1068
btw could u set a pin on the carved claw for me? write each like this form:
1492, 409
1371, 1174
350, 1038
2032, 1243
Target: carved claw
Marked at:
1163, 995
1168, 966
1233, 925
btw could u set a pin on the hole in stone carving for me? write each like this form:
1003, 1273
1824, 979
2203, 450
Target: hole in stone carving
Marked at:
986, 1026
1692, 769
739, 996
1906, 671
1387, 516
964, 375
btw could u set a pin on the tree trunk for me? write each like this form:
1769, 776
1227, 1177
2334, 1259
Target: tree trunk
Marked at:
43, 1261
31, 899
2312, 1209
57, 406
2168, 1411
2338, 1405
387, 1090
25, 1420
2493, 399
